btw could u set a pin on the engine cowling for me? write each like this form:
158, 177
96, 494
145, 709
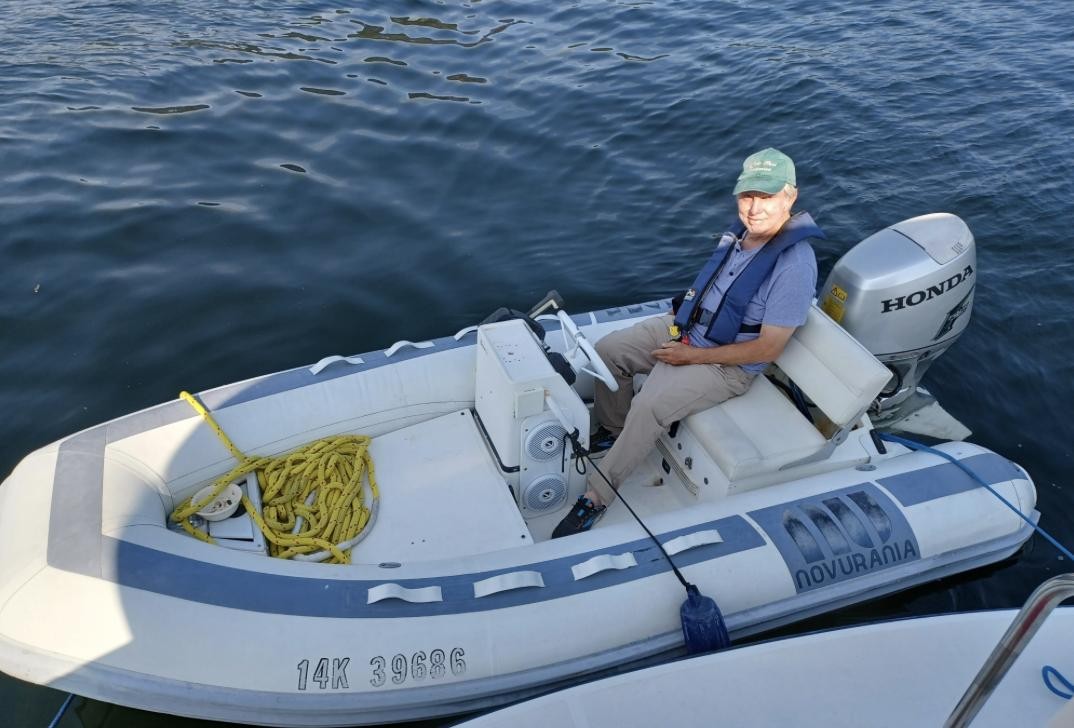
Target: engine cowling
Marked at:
906, 293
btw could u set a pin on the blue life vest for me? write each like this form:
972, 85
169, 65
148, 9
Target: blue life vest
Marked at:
726, 320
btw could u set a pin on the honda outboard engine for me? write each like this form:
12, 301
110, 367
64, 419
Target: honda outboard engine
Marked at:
906, 293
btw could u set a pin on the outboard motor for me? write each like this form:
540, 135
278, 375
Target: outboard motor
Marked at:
906, 294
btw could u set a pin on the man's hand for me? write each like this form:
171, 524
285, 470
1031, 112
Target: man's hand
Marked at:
677, 353
766, 347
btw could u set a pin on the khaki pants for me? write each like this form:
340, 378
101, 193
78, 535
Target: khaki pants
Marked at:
670, 394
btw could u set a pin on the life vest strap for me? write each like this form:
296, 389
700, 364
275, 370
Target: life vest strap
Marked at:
706, 317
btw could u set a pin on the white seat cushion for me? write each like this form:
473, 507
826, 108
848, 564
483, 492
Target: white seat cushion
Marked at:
835, 371
760, 431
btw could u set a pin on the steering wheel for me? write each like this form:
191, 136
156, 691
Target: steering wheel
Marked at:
575, 341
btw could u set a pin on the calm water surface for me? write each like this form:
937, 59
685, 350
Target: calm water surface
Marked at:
195, 193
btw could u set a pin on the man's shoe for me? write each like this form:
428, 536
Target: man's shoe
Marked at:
600, 441
582, 516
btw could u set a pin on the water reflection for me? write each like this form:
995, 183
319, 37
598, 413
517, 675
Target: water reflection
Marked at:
170, 109
250, 48
463, 78
382, 59
430, 23
378, 32
439, 97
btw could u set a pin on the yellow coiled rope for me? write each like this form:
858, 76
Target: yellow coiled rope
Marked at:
314, 497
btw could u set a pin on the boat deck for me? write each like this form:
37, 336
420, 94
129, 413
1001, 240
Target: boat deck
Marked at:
441, 495
648, 490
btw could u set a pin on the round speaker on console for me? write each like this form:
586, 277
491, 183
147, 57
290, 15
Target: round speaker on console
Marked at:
546, 441
545, 493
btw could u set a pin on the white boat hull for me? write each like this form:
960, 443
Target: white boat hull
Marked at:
97, 597
904, 673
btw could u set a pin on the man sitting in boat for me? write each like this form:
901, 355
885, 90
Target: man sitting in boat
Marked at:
743, 307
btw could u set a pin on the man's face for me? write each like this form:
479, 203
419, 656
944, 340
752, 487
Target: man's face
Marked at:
763, 213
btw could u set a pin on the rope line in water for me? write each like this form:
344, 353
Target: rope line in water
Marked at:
63, 709
969, 471
314, 502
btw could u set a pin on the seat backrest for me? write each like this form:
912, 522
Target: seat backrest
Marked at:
832, 368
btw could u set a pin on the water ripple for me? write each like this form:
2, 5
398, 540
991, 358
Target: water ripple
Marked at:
170, 109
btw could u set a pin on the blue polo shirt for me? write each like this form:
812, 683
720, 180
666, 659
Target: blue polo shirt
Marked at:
783, 299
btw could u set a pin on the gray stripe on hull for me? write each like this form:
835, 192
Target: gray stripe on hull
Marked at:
140, 567
146, 420
938, 481
74, 535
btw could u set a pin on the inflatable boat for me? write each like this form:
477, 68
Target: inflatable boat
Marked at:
780, 504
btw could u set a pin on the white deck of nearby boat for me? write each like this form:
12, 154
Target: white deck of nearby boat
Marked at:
904, 673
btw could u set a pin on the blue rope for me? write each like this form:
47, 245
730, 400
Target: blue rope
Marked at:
1049, 673
966, 469
63, 709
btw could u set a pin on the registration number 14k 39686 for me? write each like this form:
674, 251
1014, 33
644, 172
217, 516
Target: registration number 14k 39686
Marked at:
330, 673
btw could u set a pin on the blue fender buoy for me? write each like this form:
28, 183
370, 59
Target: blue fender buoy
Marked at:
703, 627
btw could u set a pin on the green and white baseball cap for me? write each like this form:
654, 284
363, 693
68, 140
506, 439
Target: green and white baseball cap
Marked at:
766, 171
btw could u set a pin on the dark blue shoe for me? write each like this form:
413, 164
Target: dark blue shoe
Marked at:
582, 516
600, 441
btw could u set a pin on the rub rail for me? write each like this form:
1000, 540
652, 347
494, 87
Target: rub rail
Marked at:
1029, 619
